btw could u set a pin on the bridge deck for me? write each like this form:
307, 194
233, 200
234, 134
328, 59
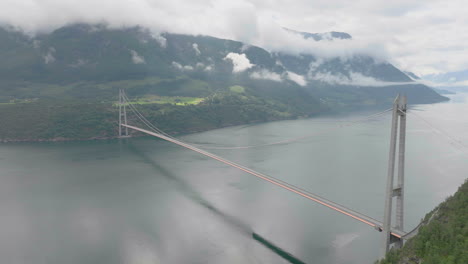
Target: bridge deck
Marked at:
332, 205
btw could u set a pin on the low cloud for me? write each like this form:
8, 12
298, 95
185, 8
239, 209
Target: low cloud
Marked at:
299, 79
354, 79
450, 79
240, 20
195, 47
49, 57
182, 67
203, 67
240, 62
162, 41
421, 36
313, 66
266, 75
445, 84
274, 37
137, 59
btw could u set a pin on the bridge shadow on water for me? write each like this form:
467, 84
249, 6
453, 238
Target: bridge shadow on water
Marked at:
193, 195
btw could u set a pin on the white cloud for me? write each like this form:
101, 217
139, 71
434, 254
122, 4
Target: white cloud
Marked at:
137, 59
362, 80
241, 19
182, 67
177, 65
266, 75
354, 78
274, 37
421, 36
245, 47
299, 79
49, 57
162, 41
203, 67
240, 62
195, 47
315, 64
445, 84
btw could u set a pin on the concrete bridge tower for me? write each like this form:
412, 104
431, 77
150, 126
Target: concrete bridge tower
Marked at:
122, 114
395, 190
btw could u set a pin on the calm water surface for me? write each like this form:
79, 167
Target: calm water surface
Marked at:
147, 201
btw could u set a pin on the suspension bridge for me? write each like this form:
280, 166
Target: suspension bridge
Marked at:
393, 234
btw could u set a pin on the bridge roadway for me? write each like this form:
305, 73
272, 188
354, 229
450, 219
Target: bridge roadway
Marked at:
396, 234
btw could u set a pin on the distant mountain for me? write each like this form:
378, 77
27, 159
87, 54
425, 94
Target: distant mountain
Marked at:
449, 82
322, 36
412, 75
449, 79
448, 76
191, 66
63, 85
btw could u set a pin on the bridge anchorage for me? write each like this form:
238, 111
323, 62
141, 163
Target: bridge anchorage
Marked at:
392, 235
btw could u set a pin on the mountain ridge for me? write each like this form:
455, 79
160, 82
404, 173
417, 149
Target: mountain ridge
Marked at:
97, 54
87, 64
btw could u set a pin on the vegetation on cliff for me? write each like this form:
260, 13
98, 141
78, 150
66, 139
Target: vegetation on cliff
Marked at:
64, 84
443, 239
41, 120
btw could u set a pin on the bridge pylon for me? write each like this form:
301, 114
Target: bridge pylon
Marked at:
122, 115
395, 190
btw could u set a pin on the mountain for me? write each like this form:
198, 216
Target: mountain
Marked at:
322, 36
92, 53
448, 77
453, 81
443, 236
412, 75
87, 64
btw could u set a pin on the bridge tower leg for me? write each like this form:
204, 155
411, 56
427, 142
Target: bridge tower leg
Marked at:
122, 114
399, 114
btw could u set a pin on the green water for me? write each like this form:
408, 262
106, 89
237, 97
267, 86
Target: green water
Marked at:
146, 201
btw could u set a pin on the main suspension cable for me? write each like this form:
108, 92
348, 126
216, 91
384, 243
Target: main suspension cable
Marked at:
443, 132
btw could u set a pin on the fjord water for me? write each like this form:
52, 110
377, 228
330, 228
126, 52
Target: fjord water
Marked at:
148, 201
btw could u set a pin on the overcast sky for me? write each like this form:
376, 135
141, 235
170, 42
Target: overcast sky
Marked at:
423, 36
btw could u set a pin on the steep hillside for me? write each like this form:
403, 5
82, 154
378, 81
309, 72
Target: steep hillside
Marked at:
87, 64
443, 239
82, 55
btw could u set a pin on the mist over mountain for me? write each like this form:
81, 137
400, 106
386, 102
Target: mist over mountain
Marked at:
457, 79
321, 36
192, 66
413, 76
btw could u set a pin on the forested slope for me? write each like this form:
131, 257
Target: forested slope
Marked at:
443, 239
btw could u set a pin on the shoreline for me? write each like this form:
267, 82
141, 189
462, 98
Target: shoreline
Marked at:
58, 139
138, 134
174, 133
